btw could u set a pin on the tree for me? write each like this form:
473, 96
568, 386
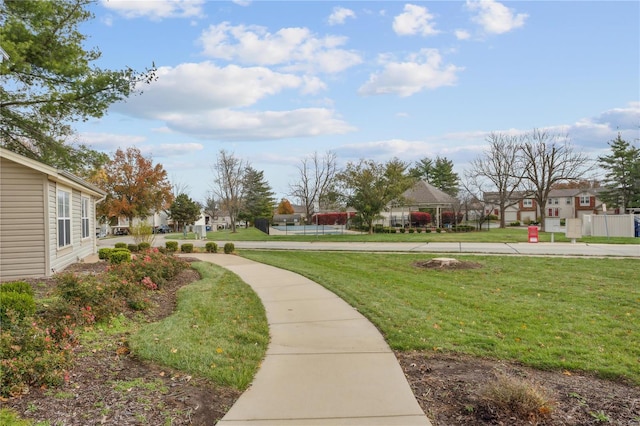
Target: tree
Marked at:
501, 165
285, 207
439, 174
134, 186
49, 80
258, 197
184, 210
316, 181
369, 187
210, 207
547, 160
229, 184
622, 177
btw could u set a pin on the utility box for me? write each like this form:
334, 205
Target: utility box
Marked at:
200, 232
574, 229
533, 234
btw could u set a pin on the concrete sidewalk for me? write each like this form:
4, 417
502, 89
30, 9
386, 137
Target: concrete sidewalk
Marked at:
325, 365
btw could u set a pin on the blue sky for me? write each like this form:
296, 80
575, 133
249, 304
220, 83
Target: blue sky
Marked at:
275, 81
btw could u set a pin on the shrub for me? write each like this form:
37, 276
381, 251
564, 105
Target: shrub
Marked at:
186, 248
17, 287
392, 230
151, 270
120, 245
402, 230
516, 398
211, 247
411, 230
419, 218
133, 248
516, 223
104, 253
22, 304
229, 248
89, 298
119, 256
427, 230
419, 230
438, 230
142, 232
171, 245
144, 246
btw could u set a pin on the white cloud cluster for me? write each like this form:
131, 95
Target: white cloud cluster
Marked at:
420, 71
293, 49
494, 17
339, 15
414, 20
156, 9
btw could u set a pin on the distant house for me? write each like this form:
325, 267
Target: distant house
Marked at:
47, 218
422, 195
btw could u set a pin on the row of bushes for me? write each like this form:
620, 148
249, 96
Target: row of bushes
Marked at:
36, 341
121, 252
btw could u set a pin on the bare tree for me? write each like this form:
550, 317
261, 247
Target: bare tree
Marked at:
229, 184
317, 176
550, 159
471, 195
502, 166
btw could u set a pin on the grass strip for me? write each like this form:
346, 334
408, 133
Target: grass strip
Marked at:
550, 313
218, 331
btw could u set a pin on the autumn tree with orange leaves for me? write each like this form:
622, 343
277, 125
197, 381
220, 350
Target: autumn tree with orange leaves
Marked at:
135, 186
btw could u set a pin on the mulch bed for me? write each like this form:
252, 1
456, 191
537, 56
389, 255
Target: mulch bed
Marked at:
446, 386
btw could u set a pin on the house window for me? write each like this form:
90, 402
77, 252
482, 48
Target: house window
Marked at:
553, 212
555, 201
64, 218
568, 201
85, 217
585, 200
527, 202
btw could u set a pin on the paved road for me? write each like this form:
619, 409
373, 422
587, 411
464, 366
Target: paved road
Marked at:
539, 249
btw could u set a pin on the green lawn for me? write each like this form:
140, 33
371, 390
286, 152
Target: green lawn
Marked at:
507, 235
218, 330
550, 313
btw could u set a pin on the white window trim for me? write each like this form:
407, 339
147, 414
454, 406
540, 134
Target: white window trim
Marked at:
84, 217
585, 197
65, 217
527, 202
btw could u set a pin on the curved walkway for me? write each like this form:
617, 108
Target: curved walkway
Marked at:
325, 365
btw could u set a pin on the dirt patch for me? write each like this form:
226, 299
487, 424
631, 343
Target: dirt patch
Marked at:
448, 386
452, 265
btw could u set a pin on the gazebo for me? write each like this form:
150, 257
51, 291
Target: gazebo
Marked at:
425, 195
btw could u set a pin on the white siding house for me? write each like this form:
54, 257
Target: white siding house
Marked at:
47, 218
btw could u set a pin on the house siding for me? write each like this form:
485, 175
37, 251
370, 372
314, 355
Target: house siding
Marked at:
22, 227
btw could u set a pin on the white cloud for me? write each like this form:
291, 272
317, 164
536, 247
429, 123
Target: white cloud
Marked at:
462, 34
421, 71
242, 2
175, 149
494, 17
339, 15
155, 10
291, 48
193, 87
621, 118
229, 125
109, 141
414, 20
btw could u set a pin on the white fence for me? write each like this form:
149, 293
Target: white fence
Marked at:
602, 225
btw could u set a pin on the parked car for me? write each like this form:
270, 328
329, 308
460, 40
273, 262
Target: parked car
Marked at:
162, 229
121, 231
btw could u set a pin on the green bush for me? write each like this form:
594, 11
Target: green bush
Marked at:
516, 223
171, 245
411, 230
392, 230
86, 298
427, 230
133, 248
120, 245
229, 248
211, 247
402, 230
22, 304
17, 287
186, 248
144, 246
119, 256
104, 253
438, 230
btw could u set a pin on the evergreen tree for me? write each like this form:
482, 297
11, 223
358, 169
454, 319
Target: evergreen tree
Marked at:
438, 173
50, 81
258, 199
184, 210
622, 177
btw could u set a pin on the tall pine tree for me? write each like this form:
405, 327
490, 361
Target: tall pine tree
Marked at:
258, 198
622, 177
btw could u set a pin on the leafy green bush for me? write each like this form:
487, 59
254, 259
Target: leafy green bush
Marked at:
171, 245
86, 298
402, 230
211, 247
186, 248
22, 304
17, 287
119, 255
392, 230
142, 232
427, 230
144, 246
104, 253
229, 248
411, 230
438, 230
516, 223
419, 230
133, 248
151, 270
120, 245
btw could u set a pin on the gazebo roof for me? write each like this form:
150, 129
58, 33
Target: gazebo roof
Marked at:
425, 194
